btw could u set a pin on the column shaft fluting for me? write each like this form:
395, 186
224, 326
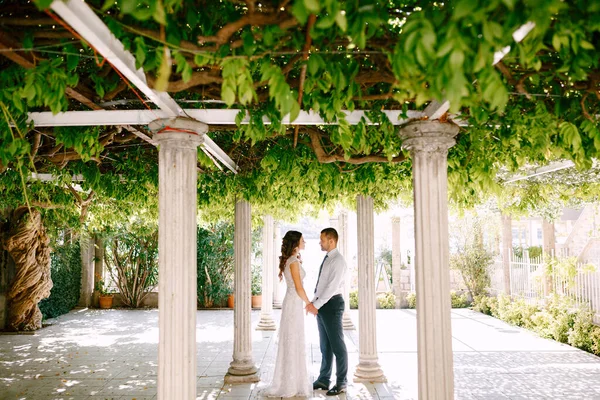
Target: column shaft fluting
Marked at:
396, 262
177, 164
368, 368
277, 296
342, 228
428, 142
242, 368
266, 322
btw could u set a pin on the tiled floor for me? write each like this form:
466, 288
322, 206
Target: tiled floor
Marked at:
112, 354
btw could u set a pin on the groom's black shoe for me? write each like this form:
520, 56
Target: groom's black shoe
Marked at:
320, 385
334, 391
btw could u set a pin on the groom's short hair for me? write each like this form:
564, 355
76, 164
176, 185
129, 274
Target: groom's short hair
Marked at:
330, 233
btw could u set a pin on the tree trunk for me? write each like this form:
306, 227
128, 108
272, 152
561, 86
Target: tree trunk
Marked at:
27, 245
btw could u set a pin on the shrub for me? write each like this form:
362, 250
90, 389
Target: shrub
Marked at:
353, 299
256, 280
473, 262
579, 336
132, 260
459, 300
215, 264
482, 304
534, 251
411, 300
65, 271
387, 300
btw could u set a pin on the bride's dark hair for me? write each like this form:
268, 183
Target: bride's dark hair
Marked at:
290, 241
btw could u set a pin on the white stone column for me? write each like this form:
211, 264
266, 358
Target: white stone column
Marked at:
277, 296
549, 247
342, 228
368, 369
428, 142
266, 322
242, 368
506, 251
397, 263
177, 198
86, 292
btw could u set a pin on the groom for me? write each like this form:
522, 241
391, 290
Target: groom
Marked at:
328, 306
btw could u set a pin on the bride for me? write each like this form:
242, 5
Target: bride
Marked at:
290, 377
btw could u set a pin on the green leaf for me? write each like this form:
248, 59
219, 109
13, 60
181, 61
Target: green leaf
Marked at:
464, 8
164, 72
556, 42
300, 12
159, 14
107, 5
342, 22
312, 6
456, 59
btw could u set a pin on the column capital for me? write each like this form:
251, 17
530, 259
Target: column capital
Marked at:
178, 132
428, 136
396, 219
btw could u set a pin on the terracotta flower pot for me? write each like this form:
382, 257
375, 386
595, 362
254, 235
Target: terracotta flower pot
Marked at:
257, 301
230, 301
105, 301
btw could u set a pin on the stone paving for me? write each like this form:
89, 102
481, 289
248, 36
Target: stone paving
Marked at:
112, 354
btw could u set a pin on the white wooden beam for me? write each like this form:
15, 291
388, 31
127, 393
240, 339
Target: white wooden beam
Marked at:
83, 19
552, 167
208, 116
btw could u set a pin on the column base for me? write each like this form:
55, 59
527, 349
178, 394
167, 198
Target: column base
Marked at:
369, 372
266, 323
240, 372
277, 305
347, 323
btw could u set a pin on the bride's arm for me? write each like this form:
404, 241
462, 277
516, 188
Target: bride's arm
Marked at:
295, 270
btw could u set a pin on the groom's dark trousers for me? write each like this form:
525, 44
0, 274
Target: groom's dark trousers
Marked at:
331, 338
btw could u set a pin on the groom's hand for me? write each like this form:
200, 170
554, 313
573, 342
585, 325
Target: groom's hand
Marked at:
310, 308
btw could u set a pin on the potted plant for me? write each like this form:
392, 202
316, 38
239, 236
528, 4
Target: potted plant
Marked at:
105, 299
256, 287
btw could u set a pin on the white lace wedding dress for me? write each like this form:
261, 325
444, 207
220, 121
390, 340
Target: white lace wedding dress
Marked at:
290, 377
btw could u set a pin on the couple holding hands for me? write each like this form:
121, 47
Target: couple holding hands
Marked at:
290, 377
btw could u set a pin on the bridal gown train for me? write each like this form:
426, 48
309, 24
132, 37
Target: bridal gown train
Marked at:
290, 377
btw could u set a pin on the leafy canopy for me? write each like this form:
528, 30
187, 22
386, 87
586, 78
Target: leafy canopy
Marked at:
539, 103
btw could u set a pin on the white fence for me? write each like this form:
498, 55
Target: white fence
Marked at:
532, 279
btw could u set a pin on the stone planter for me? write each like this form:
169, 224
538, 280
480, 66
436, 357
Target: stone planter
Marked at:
231, 301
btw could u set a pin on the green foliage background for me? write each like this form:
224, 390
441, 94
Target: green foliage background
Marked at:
66, 278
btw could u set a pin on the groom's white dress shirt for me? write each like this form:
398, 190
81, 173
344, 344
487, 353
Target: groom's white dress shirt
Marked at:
332, 279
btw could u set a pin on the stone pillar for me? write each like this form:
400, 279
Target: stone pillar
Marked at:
506, 251
368, 369
177, 202
397, 263
342, 228
549, 246
98, 264
86, 245
266, 322
277, 297
428, 143
242, 368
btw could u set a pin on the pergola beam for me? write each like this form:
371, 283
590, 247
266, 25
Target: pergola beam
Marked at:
91, 28
83, 19
208, 116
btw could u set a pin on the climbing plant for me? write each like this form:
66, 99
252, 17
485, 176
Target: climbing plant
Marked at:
537, 104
